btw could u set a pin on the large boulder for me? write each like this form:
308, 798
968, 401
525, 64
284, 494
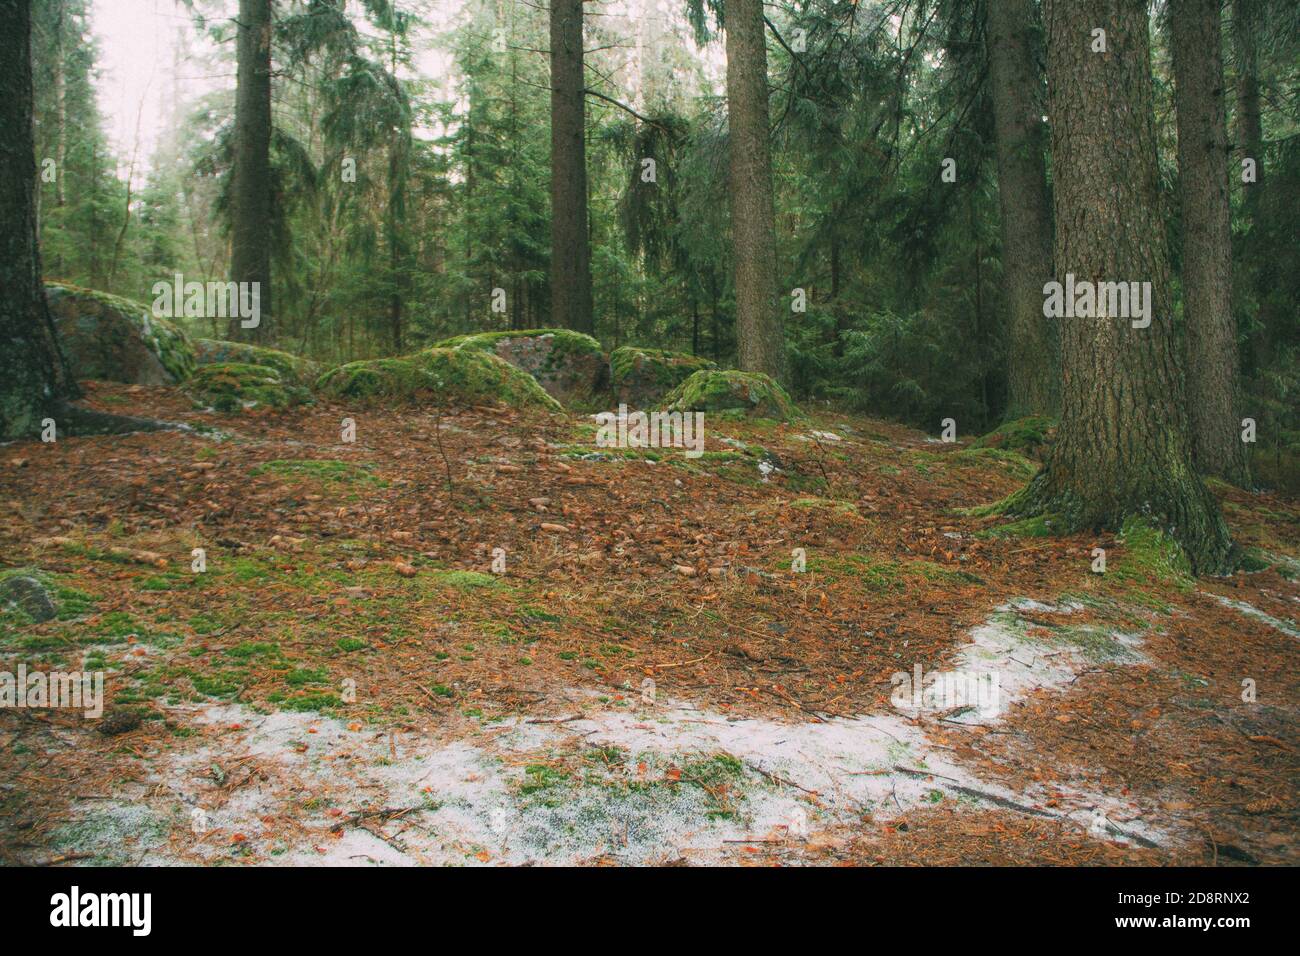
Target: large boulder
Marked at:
292, 368
569, 365
748, 393
112, 339
236, 387
439, 376
641, 377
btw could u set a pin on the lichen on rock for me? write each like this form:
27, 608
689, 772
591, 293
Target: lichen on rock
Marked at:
291, 367
569, 365
641, 377
112, 339
439, 375
750, 393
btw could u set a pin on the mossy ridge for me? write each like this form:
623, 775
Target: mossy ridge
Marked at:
753, 393
235, 386
565, 342
465, 376
168, 343
292, 368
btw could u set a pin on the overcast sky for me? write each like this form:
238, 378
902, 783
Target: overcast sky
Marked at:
138, 40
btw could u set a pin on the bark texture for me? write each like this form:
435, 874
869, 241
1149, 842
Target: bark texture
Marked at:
1250, 128
250, 238
760, 345
571, 304
1033, 374
1124, 447
34, 377
1213, 379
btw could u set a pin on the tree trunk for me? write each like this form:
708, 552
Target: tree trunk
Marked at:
1124, 447
1250, 129
1032, 356
759, 339
571, 305
250, 248
1213, 384
34, 377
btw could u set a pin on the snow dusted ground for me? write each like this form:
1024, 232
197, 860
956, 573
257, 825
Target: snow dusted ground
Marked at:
643, 783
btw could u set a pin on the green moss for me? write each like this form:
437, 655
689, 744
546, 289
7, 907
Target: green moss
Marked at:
644, 376
845, 509
312, 702
233, 387
886, 576
116, 339
1015, 463
1151, 557
565, 343
299, 371
1037, 526
325, 470
465, 580
1029, 436
569, 365
752, 394
455, 376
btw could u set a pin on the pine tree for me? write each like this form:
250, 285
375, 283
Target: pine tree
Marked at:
1124, 448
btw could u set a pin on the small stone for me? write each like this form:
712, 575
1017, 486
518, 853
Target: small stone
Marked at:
29, 594
118, 722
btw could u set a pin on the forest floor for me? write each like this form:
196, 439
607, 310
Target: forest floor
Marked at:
348, 681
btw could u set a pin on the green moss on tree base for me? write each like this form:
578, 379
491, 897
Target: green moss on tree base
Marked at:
235, 386
1028, 436
443, 375
752, 393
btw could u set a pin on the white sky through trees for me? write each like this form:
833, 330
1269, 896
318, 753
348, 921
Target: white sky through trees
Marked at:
151, 53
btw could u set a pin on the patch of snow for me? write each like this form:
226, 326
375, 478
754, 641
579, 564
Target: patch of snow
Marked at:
1286, 627
600, 784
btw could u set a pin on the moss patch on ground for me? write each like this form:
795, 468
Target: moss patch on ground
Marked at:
751, 393
234, 387
442, 375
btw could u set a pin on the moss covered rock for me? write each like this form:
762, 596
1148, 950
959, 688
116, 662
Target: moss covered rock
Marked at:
300, 371
569, 365
112, 339
1029, 436
442, 375
641, 377
751, 393
236, 386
